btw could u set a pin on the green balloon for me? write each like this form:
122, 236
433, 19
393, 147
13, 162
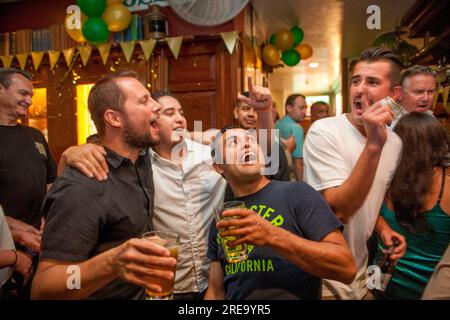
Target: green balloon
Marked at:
95, 30
298, 35
92, 8
290, 57
272, 39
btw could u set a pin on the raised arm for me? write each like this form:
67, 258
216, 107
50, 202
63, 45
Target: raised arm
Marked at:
349, 196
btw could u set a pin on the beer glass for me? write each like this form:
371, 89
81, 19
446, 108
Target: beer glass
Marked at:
171, 241
239, 252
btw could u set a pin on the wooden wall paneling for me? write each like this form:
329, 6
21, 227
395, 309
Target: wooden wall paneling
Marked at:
198, 106
61, 109
158, 69
194, 70
228, 85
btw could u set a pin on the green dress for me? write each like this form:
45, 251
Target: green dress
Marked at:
424, 251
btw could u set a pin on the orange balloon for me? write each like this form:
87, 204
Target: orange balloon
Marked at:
271, 55
284, 39
305, 50
75, 34
110, 2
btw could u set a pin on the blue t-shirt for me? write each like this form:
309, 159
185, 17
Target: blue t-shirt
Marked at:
288, 127
293, 206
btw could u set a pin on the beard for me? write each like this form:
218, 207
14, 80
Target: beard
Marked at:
137, 139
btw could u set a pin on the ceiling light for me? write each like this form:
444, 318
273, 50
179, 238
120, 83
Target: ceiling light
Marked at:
313, 65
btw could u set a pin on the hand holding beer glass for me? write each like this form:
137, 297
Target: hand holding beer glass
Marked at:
239, 252
171, 241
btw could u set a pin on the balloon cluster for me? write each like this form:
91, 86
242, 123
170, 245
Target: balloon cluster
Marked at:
98, 19
289, 43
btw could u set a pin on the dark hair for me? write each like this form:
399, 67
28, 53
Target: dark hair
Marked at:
291, 99
160, 94
426, 145
216, 153
417, 70
238, 102
6, 74
376, 54
319, 103
107, 94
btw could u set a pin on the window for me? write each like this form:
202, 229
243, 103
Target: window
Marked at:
37, 112
85, 125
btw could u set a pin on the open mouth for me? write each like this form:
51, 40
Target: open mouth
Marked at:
154, 125
358, 103
248, 158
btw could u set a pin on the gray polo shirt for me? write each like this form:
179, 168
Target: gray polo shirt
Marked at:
86, 217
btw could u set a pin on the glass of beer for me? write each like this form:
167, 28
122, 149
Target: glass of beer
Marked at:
239, 252
170, 241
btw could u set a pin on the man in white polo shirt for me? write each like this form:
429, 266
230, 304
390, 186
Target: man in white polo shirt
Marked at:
352, 157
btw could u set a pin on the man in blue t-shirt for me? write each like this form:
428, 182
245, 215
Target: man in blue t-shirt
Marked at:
288, 126
294, 240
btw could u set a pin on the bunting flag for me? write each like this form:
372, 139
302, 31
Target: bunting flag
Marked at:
7, 60
127, 48
147, 47
85, 52
104, 49
37, 59
230, 39
175, 45
22, 58
68, 55
53, 57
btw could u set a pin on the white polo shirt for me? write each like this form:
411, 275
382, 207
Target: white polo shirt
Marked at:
184, 202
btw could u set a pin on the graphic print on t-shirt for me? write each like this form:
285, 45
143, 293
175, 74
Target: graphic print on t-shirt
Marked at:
254, 265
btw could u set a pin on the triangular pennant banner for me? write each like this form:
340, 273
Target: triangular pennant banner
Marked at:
230, 39
127, 48
37, 59
104, 49
147, 47
22, 58
175, 45
85, 52
68, 55
53, 57
6, 60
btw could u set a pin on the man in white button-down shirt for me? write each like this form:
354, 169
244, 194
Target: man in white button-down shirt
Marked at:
186, 185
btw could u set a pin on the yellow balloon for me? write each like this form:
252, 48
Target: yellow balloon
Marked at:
305, 50
117, 17
271, 55
284, 39
110, 2
75, 34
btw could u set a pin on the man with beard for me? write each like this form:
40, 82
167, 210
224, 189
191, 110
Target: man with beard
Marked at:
351, 158
91, 237
187, 186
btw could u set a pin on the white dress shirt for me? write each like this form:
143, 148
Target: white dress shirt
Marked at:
184, 202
